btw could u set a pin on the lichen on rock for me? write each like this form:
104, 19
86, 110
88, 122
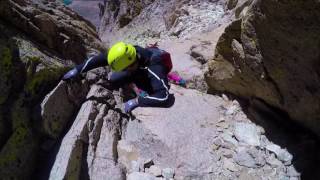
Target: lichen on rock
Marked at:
6, 70
5, 74
39, 83
18, 155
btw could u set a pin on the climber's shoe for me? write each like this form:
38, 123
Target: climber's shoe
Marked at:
131, 105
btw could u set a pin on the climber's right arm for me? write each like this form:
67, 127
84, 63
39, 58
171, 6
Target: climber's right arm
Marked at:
92, 63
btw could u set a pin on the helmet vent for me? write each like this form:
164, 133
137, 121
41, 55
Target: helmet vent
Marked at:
127, 52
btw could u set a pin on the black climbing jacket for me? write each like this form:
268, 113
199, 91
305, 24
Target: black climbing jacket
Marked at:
151, 76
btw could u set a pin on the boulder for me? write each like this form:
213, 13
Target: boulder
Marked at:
230, 165
243, 158
247, 133
282, 154
273, 162
168, 173
227, 137
155, 170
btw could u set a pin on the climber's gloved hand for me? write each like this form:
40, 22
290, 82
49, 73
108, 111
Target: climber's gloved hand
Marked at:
182, 82
140, 92
143, 94
71, 75
131, 105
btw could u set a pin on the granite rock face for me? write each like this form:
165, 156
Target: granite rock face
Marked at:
38, 40
201, 136
186, 144
272, 53
53, 25
59, 105
169, 143
89, 147
118, 14
153, 20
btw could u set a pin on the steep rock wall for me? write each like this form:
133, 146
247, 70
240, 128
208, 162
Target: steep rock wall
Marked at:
272, 53
38, 41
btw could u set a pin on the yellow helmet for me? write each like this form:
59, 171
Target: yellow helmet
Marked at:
121, 55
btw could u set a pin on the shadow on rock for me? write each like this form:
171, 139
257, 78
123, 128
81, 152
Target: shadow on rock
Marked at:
281, 130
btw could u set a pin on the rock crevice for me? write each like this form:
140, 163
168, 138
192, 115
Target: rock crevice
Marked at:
97, 126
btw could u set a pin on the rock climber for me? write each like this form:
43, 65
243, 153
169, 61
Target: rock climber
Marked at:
147, 68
